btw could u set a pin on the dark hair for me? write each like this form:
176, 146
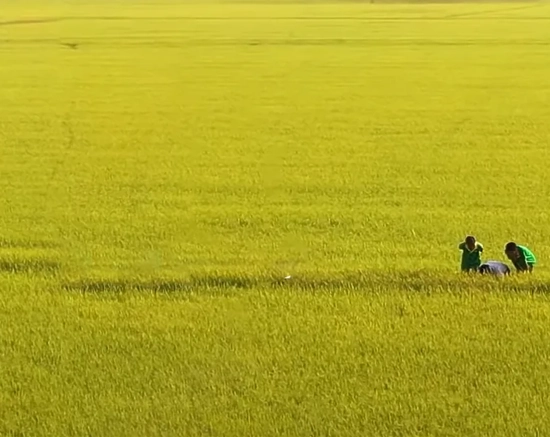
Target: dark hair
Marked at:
470, 238
483, 269
510, 247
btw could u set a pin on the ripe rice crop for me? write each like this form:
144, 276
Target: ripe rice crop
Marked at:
164, 166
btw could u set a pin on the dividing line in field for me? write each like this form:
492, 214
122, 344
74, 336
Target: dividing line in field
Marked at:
492, 11
35, 21
481, 15
173, 42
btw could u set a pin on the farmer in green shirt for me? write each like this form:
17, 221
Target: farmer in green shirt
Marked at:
471, 254
523, 259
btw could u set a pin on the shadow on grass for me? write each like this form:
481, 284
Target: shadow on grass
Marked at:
158, 284
37, 265
425, 281
26, 244
378, 282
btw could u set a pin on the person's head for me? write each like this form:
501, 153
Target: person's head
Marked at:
470, 242
511, 250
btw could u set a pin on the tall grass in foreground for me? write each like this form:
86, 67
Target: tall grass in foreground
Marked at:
272, 361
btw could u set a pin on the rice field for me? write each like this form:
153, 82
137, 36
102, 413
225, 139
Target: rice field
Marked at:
242, 219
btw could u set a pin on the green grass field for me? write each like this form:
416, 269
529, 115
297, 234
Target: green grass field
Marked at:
165, 165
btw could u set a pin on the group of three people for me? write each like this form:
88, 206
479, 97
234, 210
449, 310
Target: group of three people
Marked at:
523, 259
